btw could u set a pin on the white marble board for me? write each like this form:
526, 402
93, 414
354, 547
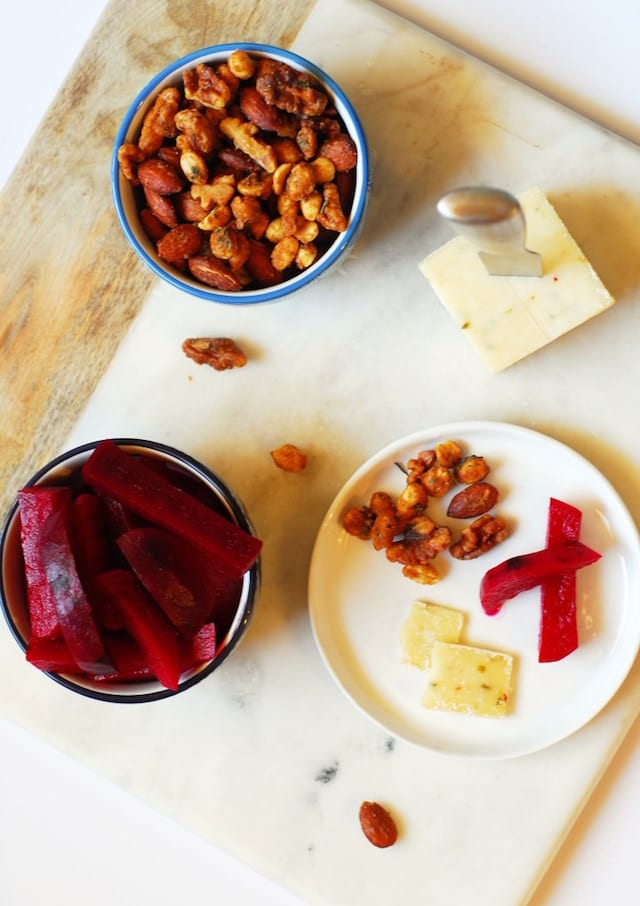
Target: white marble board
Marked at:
267, 758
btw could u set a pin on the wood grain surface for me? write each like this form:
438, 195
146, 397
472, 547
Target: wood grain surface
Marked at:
69, 283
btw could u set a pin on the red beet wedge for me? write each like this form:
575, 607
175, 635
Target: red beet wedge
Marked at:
526, 571
124, 477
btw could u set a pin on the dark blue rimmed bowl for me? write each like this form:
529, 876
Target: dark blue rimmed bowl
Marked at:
125, 201
13, 601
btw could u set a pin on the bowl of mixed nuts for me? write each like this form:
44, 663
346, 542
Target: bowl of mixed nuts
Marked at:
240, 173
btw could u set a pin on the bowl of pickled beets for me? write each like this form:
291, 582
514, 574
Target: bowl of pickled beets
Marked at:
240, 173
128, 571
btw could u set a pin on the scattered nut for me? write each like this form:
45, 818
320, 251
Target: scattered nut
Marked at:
377, 824
220, 353
289, 458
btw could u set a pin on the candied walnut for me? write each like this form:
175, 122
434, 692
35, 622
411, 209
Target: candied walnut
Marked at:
341, 150
295, 92
289, 458
159, 122
220, 353
481, 536
242, 134
204, 85
241, 64
470, 469
417, 548
331, 215
448, 453
437, 481
129, 156
198, 129
359, 522
425, 574
473, 500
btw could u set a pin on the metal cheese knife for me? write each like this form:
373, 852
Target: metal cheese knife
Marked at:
493, 221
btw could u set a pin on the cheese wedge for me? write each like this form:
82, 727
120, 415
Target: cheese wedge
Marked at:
468, 680
425, 624
508, 318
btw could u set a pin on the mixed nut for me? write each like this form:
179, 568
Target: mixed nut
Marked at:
244, 174
407, 533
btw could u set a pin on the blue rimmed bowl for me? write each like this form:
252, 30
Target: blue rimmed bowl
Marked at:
127, 201
65, 470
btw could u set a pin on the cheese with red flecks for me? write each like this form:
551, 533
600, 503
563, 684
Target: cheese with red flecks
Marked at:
507, 318
468, 680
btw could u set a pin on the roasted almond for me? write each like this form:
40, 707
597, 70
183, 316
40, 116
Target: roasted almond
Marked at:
183, 241
160, 176
214, 273
377, 824
473, 501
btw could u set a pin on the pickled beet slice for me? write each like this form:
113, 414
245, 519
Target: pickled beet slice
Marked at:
200, 648
180, 579
146, 623
130, 662
89, 537
558, 616
115, 473
36, 504
526, 571
75, 616
51, 655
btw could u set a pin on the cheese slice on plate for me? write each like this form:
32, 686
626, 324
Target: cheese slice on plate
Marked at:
508, 318
468, 680
425, 624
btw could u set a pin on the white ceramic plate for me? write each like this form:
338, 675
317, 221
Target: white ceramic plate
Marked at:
358, 599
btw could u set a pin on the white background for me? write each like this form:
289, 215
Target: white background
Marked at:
67, 838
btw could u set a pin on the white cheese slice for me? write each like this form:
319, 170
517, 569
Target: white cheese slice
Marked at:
508, 318
468, 680
425, 624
